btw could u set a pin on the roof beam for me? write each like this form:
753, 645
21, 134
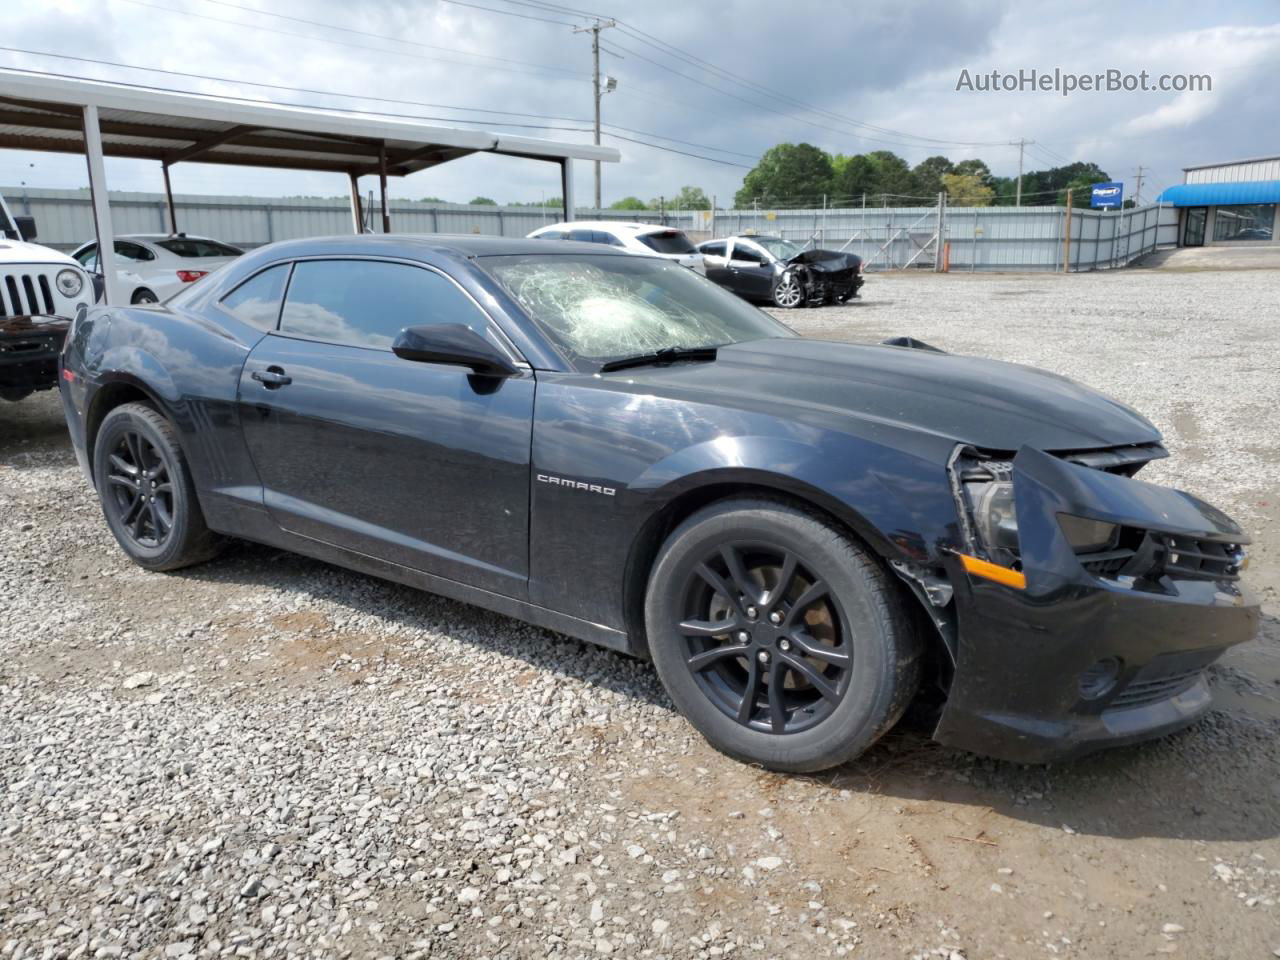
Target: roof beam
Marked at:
76, 146
66, 109
182, 137
208, 143
404, 163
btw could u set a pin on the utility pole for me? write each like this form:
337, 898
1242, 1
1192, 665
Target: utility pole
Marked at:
1137, 193
594, 30
1022, 146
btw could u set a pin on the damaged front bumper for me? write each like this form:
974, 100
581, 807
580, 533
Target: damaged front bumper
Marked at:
1098, 649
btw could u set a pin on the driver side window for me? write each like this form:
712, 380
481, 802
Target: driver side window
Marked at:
743, 254
366, 303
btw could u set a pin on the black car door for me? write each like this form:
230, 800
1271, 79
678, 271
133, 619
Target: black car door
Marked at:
716, 261
750, 272
425, 465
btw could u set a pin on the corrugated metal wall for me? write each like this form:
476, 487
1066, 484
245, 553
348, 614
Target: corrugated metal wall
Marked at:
1248, 172
980, 238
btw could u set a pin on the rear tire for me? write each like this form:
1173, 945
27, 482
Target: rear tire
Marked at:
779, 637
146, 490
144, 296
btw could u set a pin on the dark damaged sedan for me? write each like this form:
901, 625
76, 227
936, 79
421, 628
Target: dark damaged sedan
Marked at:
801, 535
777, 271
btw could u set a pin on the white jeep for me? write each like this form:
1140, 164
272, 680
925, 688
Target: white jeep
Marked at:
40, 292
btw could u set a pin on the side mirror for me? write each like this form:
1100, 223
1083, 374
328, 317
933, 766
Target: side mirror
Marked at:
455, 344
26, 227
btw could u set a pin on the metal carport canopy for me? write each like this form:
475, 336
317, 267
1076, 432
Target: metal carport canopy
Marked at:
103, 119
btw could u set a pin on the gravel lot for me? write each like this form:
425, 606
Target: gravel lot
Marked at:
266, 756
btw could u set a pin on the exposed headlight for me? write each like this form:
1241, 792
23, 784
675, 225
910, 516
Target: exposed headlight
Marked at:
994, 516
1088, 536
69, 282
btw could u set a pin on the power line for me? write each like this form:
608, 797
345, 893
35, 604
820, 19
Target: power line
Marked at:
379, 113
761, 106
377, 99
666, 49
375, 36
509, 13
537, 69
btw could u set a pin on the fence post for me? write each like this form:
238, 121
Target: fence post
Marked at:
973, 257
1066, 246
937, 243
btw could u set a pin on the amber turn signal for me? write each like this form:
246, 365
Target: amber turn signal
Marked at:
993, 571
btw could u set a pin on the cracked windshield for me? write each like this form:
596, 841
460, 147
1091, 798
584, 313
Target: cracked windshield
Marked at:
601, 308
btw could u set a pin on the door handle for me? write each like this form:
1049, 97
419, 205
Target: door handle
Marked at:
272, 377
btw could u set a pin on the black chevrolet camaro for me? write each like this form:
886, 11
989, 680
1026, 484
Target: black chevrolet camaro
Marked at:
801, 535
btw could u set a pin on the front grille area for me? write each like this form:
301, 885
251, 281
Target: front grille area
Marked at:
1141, 693
1151, 556
1107, 564
26, 294
1166, 676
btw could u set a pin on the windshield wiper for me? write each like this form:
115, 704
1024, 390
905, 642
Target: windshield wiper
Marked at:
664, 356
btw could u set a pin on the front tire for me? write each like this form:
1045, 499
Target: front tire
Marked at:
788, 292
780, 638
146, 490
144, 296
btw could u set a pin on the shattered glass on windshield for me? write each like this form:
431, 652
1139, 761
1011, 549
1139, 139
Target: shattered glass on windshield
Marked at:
601, 308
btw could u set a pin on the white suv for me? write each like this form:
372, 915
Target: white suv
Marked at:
40, 292
650, 239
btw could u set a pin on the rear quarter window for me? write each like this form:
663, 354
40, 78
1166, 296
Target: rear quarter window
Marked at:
667, 241
257, 300
192, 247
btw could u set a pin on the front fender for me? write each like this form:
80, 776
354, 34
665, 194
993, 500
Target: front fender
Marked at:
898, 503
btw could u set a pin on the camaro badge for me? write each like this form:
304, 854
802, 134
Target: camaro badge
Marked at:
576, 484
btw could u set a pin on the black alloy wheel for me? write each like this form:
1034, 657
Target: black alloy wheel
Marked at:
147, 492
765, 638
779, 636
139, 489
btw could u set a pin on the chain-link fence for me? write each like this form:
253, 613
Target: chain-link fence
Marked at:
893, 238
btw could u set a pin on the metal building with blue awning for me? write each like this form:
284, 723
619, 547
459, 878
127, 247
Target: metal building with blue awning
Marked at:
1228, 203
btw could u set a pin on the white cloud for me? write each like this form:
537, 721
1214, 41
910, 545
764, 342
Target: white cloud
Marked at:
894, 67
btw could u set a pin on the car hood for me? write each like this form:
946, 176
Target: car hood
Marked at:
993, 405
19, 251
826, 261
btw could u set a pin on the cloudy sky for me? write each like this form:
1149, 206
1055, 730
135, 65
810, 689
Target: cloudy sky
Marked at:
724, 81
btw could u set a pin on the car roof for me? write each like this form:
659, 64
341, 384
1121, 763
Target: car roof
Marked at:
153, 237
430, 246
618, 226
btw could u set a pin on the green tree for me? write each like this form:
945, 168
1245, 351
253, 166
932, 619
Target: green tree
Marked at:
432, 200
928, 175
893, 179
690, 198
975, 168
1081, 194
629, 203
788, 171
483, 202
855, 176
967, 190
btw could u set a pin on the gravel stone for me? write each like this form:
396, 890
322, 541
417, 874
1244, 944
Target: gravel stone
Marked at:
325, 765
